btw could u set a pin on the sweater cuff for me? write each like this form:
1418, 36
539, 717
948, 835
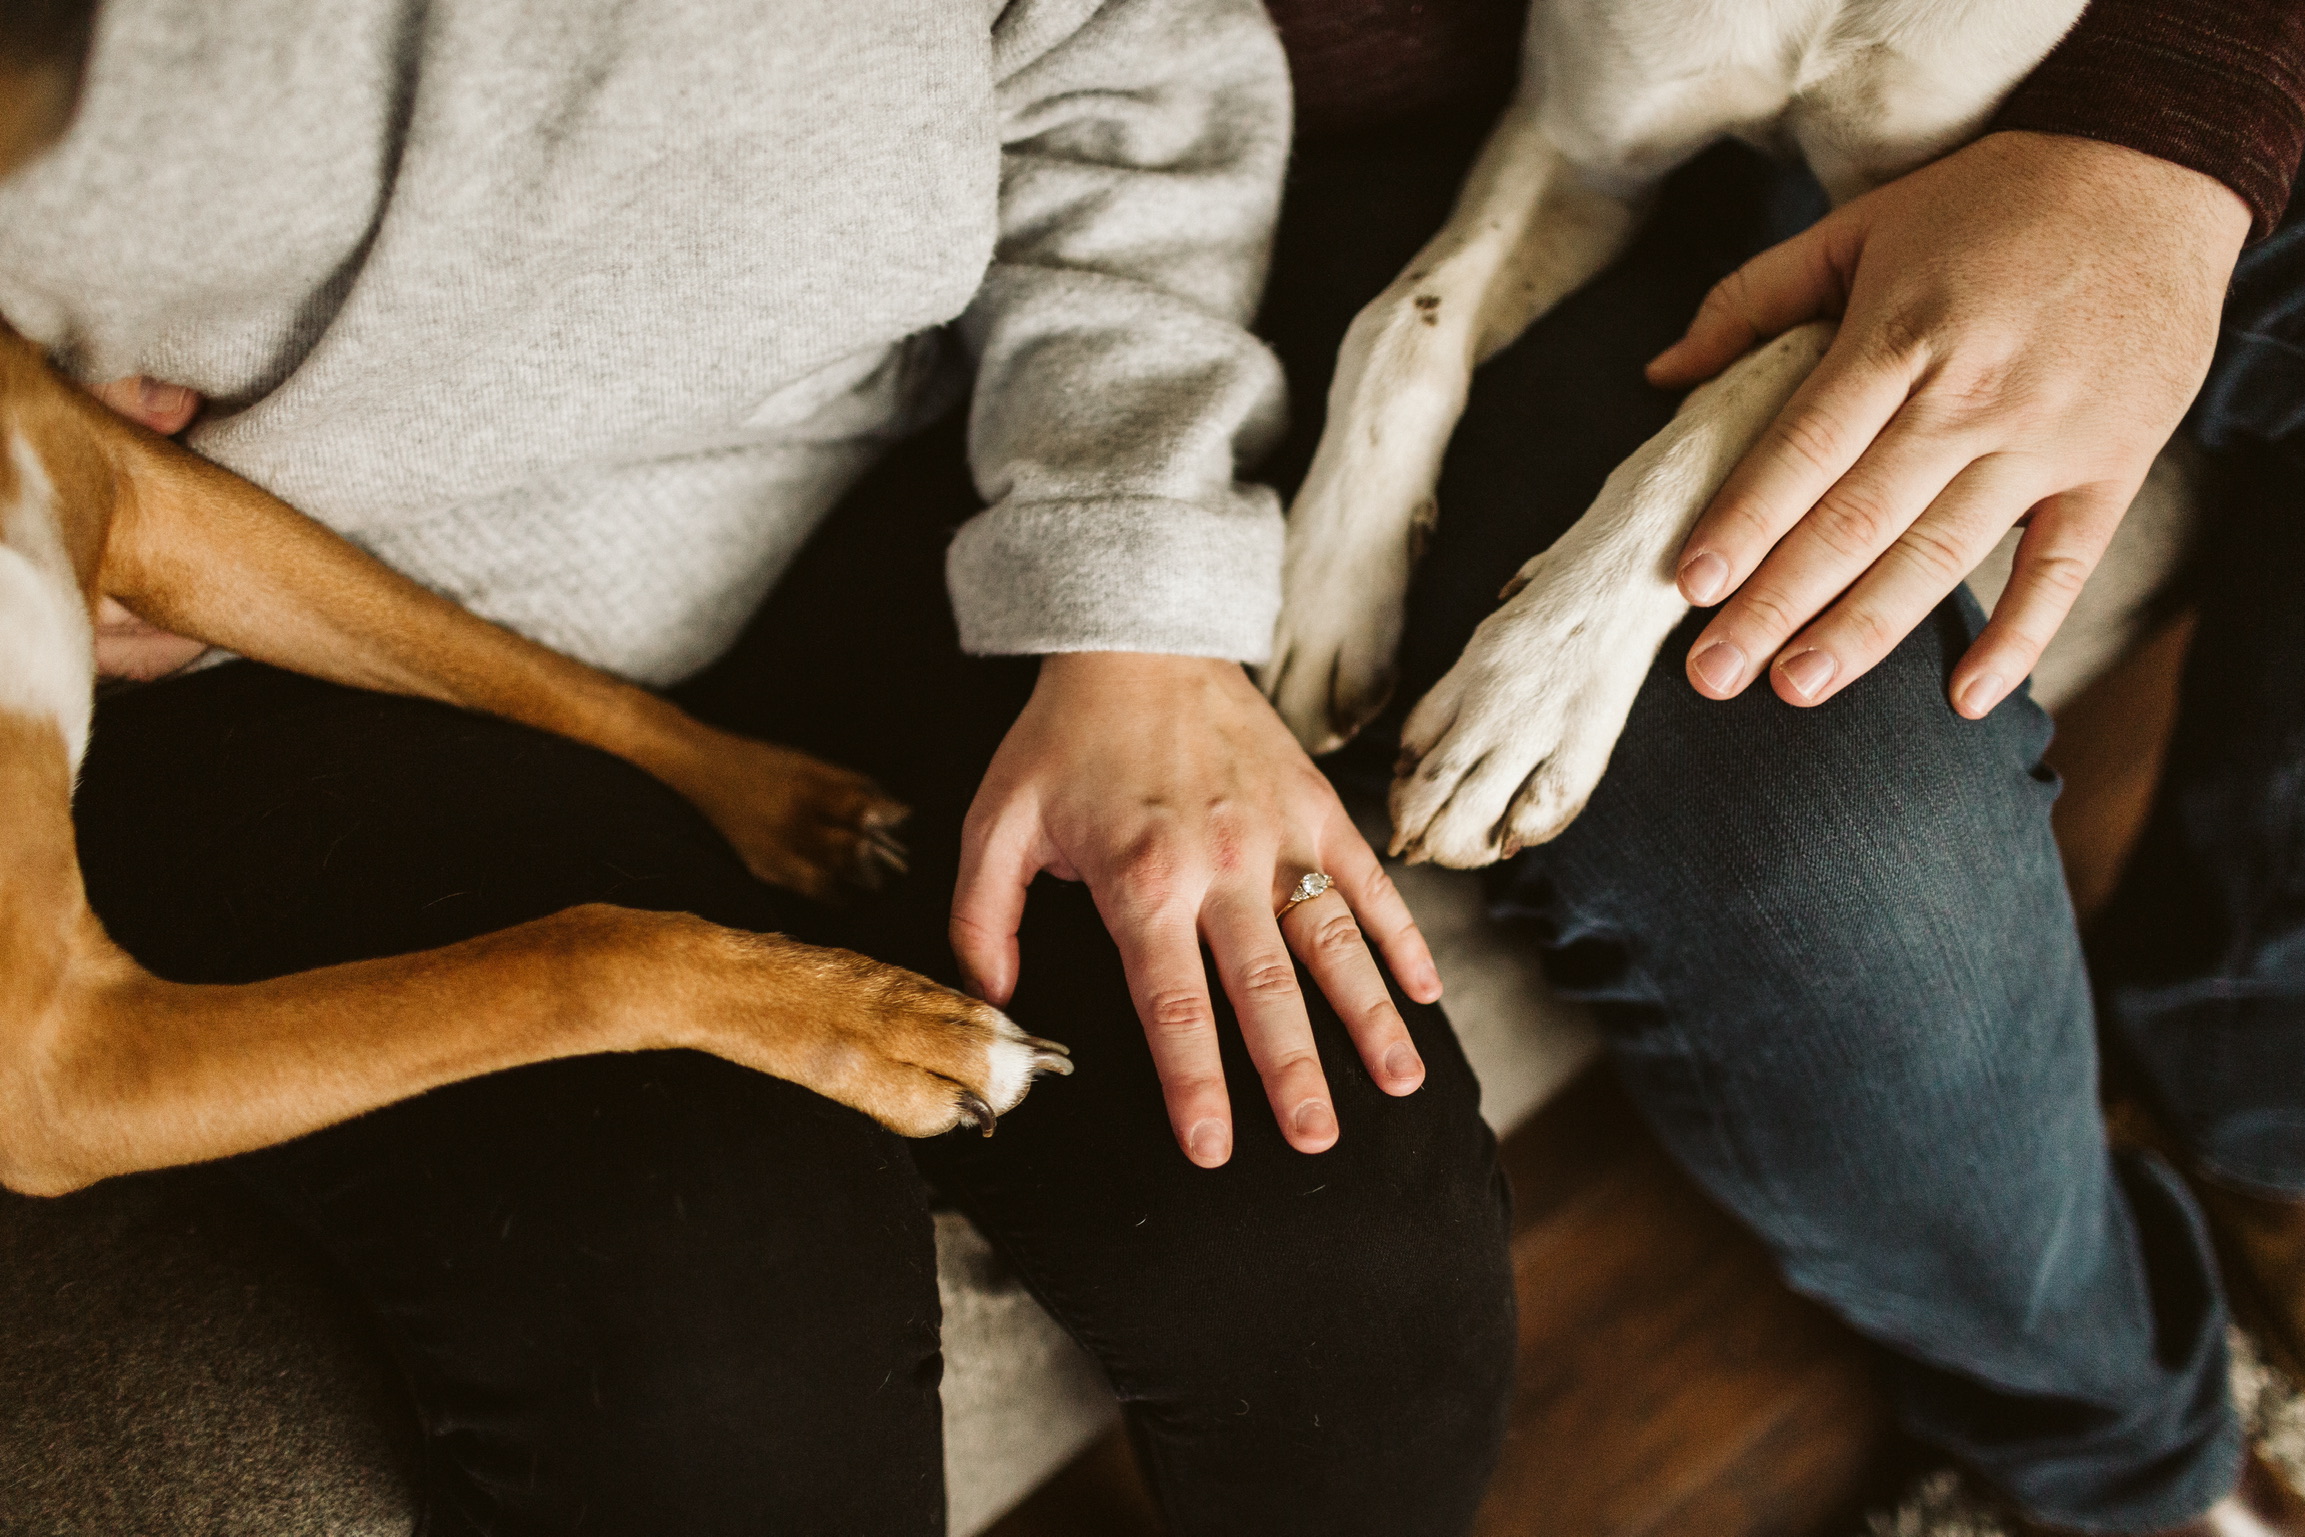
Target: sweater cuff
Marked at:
1120, 574
2216, 87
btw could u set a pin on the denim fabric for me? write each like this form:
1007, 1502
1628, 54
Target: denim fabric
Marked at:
1831, 948
2201, 967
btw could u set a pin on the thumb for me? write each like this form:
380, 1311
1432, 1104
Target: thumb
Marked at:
163, 408
1801, 279
997, 866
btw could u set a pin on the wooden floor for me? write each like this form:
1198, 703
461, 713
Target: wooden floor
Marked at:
1668, 1382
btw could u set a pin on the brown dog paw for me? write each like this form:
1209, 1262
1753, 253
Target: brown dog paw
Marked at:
917, 1057
795, 820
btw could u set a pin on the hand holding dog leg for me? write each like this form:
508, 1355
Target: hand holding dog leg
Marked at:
1170, 787
2024, 324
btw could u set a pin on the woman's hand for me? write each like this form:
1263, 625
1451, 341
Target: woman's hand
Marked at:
126, 646
1170, 786
2023, 325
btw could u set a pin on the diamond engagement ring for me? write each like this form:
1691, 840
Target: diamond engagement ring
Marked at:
1309, 885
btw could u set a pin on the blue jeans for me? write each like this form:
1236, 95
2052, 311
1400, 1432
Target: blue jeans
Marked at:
1831, 949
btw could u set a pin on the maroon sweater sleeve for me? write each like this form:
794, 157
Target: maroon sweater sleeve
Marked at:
2214, 85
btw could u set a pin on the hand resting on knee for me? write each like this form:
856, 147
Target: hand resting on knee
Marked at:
2023, 324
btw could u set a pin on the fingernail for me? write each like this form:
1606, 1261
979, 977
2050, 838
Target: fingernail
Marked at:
1210, 1144
1982, 694
1704, 577
1720, 665
1314, 1120
1402, 1063
1809, 672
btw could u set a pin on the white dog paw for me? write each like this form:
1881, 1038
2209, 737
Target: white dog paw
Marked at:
1364, 515
1507, 748
1333, 664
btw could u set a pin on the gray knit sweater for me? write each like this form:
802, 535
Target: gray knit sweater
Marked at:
586, 312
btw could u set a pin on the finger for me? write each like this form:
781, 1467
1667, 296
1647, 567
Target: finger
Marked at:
1160, 951
2062, 545
998, 860
164, 408
1261, 980
1804, 278
1910, 579
1324, 934
1883, 494
1378, 903
1814, 441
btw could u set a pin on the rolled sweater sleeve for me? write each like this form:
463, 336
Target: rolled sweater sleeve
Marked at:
1119, 391
2217, 86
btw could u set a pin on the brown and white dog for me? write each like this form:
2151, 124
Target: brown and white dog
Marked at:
1613, 94
106, 1069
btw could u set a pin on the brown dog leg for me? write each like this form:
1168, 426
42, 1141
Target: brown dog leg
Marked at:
105, 1069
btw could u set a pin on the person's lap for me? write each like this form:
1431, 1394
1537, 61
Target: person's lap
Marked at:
1831, 948
658, 1288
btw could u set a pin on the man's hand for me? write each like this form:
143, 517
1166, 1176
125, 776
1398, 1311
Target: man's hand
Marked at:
1170, 786
2023, 325
126, 646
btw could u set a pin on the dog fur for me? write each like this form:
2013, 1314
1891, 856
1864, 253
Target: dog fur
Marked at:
1614, 94
106, 1069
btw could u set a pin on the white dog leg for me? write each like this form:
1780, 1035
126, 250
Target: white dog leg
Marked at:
1526, 231
1506, 749
47, 650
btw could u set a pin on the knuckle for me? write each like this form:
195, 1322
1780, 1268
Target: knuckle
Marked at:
1852, 522
1336, 935
1815, 440
1935, 553
1767, 610
1209, 1092
1149, 871
1175, 1013
1872, 632
1730, 299
1295, 1062
1266, 979
1230, 848
1897, 339
1975, 386
2059, 574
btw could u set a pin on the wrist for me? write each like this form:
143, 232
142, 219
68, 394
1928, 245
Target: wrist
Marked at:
650, 733
2137, 179
1119, 665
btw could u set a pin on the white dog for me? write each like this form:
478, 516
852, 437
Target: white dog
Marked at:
1614, 94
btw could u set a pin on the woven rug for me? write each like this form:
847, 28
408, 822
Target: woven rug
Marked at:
1951, 1504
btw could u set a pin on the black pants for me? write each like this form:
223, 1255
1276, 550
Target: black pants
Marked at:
659, 1294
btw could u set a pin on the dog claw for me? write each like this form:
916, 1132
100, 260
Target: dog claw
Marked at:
882, 845
976, 1112
1038, 1044
1042, 1062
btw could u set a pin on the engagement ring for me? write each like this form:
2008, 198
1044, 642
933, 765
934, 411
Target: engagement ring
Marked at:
1309, 885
